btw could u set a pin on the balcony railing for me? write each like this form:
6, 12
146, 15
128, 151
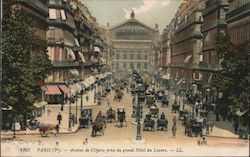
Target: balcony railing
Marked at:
60, 22
205, 67
212, 24
36, 4
65, 63
59, 4
193, 35
243, 10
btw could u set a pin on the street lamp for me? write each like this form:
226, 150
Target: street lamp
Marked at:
81, 100
14, 127
70, 101
76, 120
94, 93
138, 134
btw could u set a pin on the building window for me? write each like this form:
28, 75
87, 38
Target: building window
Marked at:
131, 65
124, 56
145, 66
138, 66
117, 56
117, 65
132, 57
146, 57
139, 57
124, 66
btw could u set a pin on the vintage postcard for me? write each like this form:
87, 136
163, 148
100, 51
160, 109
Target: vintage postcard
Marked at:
125, 78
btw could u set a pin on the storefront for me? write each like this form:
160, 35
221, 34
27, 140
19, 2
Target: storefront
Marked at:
53, 95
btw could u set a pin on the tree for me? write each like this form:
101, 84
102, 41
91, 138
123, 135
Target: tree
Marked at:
22, 69
234, 78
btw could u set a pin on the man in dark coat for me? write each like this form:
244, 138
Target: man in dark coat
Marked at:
59, 118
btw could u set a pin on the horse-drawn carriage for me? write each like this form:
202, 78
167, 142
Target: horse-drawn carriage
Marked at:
33, 124
164, 101
175, 107
118, 95
99, 125
149, 123
183, 114
159, 95
154, 110
162, 123
110, 113
134, 113
149, 101
85, 118
121, 117
194, 127
45, 129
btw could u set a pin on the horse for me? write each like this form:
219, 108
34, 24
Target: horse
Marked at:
97, 127
110, 115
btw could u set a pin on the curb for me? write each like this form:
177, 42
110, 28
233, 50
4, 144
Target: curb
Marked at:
222, 137
37, 133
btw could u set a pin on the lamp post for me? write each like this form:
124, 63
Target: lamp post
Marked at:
138, 134
81, 101
94, 93
76, 120
14, 127
70, 101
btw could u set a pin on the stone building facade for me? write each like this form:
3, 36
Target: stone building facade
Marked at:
238, 19
132, 43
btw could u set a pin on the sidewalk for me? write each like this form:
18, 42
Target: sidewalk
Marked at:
51, 118
221, 129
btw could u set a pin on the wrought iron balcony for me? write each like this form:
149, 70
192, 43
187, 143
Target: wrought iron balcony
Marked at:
203, 66
241, 11
60, 4
213, 24
60, 22
36, 5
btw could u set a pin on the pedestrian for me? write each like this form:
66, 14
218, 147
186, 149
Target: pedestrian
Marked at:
43, 108
174, 129
87, 98
48, 111
59, 118
175, 119
73, 119
211, 126
236, 126
57, 127
207, 127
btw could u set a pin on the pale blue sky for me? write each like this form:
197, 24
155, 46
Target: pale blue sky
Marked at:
147, 11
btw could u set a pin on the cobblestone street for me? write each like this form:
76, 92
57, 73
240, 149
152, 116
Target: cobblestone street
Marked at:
125, 136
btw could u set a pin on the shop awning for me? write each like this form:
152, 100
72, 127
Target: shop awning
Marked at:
78, 87
74, 72
64, 89
102, 60
40, 104
238, 113
210, 78
179, 82
82, 57
187, 59
53, 90
9, 108
96, 49
76, 42
91, 80
86, 84
71, 53
166, 77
